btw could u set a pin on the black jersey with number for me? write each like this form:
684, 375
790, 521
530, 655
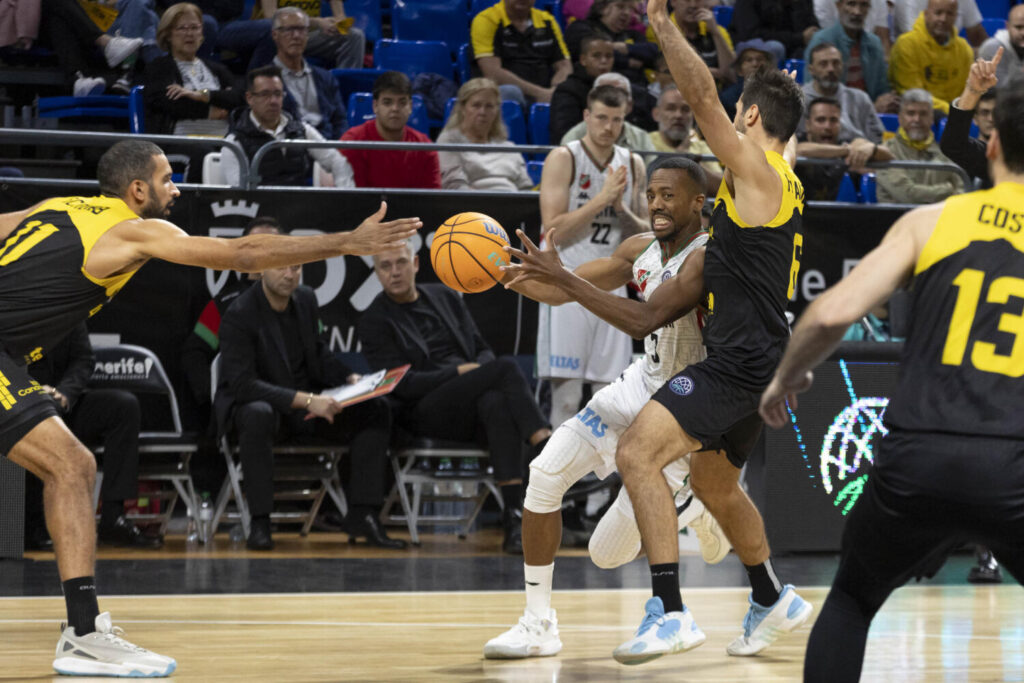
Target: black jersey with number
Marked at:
44, 287
963, 360
749, 275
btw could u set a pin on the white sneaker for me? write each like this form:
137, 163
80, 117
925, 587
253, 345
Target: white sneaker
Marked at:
85, 86
120, 48
660, 634
531, 637
763, 625
714, 546
104, 653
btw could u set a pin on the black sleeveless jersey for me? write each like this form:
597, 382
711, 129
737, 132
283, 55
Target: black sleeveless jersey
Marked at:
44, 288
963, 359
749, 276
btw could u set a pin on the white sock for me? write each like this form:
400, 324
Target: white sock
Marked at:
538, 589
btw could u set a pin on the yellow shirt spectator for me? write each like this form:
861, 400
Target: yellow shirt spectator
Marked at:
530, 55
918, 60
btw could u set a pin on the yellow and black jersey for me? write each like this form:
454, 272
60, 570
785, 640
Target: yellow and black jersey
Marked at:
749, 275
530, 54
963, 359
44, 288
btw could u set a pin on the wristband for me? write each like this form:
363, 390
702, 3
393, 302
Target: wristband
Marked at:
309, 399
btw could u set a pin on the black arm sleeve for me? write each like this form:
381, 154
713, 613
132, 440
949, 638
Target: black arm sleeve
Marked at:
957, 144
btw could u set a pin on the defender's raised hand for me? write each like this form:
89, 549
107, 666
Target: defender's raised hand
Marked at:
535, 263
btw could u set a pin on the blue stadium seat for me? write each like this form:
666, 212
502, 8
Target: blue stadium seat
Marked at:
891, 122
414, 57
512, 115
478, 6
540, 119
367, 15
847, 192
995, 8
795, 65
128, 107
941, 128
723, 15
360, 110
462, 63
993, 24
442, 20
868, 189
448, 108
354, 80
535, 169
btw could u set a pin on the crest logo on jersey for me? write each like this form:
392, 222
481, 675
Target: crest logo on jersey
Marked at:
584, 181
666, 275
641, 278
681, 385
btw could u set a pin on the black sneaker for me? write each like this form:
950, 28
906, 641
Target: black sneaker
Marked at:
124, 534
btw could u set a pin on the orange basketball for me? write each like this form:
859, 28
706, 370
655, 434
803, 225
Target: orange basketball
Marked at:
467, 252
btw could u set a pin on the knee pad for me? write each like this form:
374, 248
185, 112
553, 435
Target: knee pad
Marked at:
616, 540
563, 462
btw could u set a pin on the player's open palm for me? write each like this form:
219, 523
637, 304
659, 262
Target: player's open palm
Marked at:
375, 235
542, 265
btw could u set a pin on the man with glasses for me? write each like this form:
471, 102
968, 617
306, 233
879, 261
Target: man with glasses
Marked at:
313, 89
265, 120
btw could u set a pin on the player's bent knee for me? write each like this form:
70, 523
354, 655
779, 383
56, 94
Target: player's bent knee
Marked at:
565, 459
75, 466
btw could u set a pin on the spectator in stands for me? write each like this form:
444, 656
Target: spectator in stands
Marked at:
392, 107
984, 115
264, 120
19, 23
859, 119
791, 23
520, 48
662, 77
712, 42
632, 137
98, 417
676, 133
1011, 39
202, 346
313, 89
967, 152
633, 54
454, 373
274, 364
915, 142
931, 56
751, 56
570, 97
862, 54
876, 21
825, 138
476, 120
967, 16
186, 94
73, 37
332, 38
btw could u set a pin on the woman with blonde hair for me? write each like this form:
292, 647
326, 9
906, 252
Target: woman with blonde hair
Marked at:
186, 94
476, 120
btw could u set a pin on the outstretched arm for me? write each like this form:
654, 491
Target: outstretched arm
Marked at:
673, 299
134, 242
821, 327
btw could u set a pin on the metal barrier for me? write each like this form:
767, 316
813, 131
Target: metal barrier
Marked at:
89, 139
249, 172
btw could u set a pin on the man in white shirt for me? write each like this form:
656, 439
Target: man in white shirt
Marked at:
876, 21
264, 120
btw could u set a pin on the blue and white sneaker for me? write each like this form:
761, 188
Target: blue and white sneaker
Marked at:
660, 634
105, 653
763, 625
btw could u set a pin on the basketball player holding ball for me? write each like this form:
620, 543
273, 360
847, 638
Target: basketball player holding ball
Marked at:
591, 191
60, 262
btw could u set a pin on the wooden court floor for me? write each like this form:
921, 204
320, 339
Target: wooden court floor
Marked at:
924, 633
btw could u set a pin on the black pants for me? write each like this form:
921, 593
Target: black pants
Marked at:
101, 417
927, 496
72, 36
494, 400
365, 427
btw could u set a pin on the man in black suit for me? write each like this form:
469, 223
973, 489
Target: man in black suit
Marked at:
99, 417
273, 364
456, 389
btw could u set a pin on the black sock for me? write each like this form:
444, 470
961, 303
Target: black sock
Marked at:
764, 583
80, 598
665, 585
112, 509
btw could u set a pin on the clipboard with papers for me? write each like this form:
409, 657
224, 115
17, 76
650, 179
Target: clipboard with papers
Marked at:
368, 386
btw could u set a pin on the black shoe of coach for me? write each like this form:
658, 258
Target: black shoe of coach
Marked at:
259, 536
366, 525
124, 534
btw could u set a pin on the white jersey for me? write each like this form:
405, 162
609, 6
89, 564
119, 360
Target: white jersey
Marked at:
669, 350
605, 232
679, 343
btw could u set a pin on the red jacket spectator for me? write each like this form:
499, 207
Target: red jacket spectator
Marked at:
405, 168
